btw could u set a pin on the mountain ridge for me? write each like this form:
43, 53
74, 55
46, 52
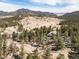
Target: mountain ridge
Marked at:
27, 12
71, 16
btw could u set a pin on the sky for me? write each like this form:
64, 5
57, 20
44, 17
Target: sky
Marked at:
54, 6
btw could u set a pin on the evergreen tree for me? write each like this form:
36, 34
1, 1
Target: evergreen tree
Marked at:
1, 43
29, 56
61, 56
47, 54
4, 48
35, 54
14, 36
22, 52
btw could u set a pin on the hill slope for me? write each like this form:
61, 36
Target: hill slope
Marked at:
71, 16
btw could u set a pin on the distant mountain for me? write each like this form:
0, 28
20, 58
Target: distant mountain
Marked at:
71, 16
27, 12
2, 13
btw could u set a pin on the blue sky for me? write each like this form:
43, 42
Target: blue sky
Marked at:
55, 6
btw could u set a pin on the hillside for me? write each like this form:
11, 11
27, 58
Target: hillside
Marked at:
71, 16
26, 36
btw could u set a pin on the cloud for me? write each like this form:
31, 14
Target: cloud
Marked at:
54, 2
49, 2
67, 9
72, 5
8, 7
73, 1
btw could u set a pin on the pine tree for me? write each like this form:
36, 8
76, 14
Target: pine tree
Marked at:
61, 56
4, 48
20, 27
30, 56
61, 43
1, 41
35, 54
47, 54
22, 52
14, 36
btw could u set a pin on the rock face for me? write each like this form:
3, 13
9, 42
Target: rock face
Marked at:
65, 52
37, 22
27, 48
